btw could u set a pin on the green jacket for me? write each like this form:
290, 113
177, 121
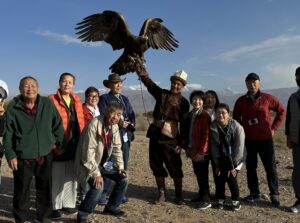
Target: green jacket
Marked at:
27, 137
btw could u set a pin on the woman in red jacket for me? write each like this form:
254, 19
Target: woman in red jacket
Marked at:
64, 184
197, 144
90, 107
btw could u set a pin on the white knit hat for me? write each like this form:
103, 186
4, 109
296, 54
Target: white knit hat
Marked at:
180, 75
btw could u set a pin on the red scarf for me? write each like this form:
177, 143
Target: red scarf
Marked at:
106, 144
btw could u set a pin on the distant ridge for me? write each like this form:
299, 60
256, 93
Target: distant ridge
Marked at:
227, 96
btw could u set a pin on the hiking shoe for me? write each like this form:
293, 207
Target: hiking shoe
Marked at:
296, 207
220, 204
70, 210
56, 214
116, 212
204, 205
236, 205
252, 198
275, 200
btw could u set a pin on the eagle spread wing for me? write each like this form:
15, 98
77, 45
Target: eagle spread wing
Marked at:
112, 28
158, 36
108, 26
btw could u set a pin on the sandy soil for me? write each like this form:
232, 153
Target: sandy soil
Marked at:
142, 191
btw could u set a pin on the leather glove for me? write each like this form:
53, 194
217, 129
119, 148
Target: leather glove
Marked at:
140, 68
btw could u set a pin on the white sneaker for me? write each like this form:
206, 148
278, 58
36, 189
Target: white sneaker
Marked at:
295, 208
204, 205
236, 205
220, 204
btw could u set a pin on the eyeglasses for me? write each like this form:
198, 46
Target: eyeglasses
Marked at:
197, 99
93, 96
222, 113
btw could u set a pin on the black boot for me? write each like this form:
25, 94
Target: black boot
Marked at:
160, 181
178, 191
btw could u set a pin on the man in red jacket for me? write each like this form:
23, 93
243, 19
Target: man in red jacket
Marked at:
252, 110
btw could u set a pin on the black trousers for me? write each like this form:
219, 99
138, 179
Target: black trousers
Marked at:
265, 149
201, 172
296, 170
27, 169
232, 184
163, 155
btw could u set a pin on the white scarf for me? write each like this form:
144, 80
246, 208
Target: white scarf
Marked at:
94, 111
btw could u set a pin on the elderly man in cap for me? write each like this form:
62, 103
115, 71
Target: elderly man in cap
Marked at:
3, 96
126, 123
165, 138
252, 110
292, 131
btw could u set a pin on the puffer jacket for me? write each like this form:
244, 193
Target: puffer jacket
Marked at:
71, 146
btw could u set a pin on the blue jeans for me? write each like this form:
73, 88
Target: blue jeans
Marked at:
92, 197
107, 182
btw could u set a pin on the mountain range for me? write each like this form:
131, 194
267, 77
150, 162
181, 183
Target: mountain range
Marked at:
142, 101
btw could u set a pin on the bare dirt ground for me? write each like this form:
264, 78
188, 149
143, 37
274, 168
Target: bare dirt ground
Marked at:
142, 191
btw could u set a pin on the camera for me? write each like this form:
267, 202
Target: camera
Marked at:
131, 127
253, 121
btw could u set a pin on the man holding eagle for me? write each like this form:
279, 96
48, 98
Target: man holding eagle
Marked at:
112, 28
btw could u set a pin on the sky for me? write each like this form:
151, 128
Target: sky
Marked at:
220, 42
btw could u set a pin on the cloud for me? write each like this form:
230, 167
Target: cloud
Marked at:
65, 38
279, 75
267, 45
281, 69
190, 62
193, 86
134, 87
79, 91
292, 29
228, 91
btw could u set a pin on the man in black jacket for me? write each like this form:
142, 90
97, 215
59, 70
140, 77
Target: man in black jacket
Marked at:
292, 131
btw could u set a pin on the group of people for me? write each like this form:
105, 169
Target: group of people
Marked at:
209, 133
70, 147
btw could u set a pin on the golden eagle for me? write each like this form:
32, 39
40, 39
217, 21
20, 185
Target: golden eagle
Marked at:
112, 28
